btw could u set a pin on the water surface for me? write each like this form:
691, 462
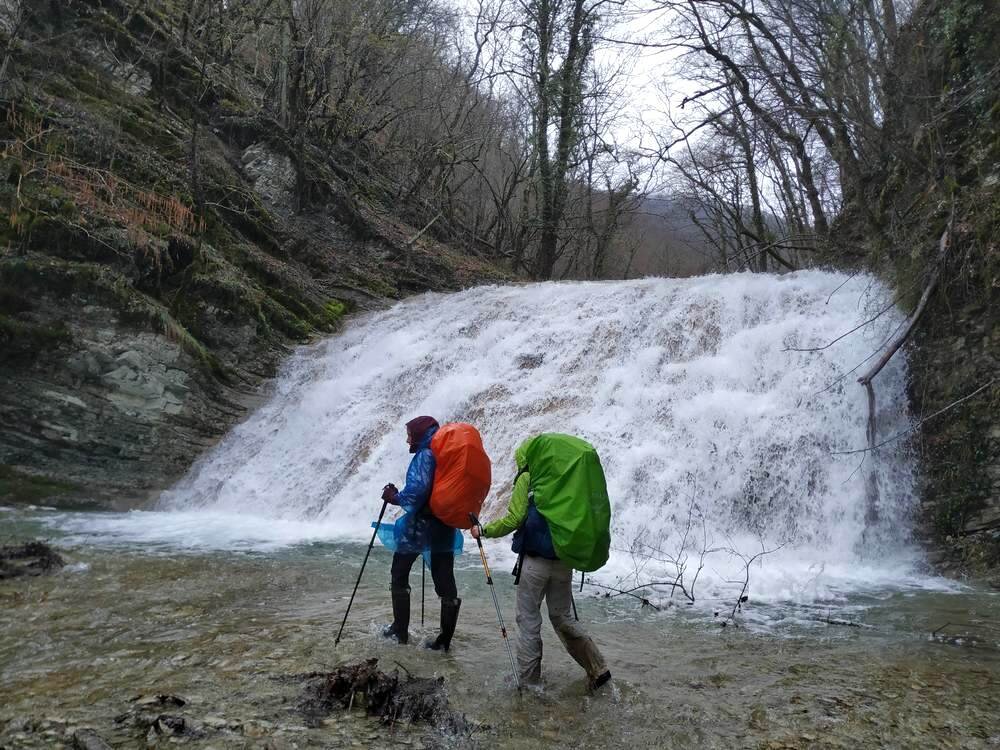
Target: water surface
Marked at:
223, 628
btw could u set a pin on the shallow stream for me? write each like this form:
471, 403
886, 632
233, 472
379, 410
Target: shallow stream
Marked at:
222, 629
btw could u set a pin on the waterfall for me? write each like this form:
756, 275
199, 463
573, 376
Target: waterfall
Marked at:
708, 417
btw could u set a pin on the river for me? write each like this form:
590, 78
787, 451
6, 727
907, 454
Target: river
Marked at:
222, 630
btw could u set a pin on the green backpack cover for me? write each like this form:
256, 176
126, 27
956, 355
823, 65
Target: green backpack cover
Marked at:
571, 494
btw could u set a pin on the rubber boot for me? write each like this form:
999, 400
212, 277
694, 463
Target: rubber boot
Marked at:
399, 630
449, 620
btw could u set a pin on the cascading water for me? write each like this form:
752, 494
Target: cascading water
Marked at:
715, 431
719, 439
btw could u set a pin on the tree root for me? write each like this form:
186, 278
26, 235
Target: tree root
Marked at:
388, 696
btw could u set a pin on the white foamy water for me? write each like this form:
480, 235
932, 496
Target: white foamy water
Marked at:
714, 435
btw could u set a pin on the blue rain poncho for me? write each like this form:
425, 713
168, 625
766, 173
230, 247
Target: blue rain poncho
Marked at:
417, 530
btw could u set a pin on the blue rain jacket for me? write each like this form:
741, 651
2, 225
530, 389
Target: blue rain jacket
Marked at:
418, 530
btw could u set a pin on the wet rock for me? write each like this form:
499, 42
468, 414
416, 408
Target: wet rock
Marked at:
758, 717
84, 366
530, 361
154, 717
170, 725
28, 559
257, 728
88, 739
273, 175
21, 724
161, 700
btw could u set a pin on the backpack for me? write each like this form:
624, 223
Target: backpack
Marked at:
571, 493
462, 474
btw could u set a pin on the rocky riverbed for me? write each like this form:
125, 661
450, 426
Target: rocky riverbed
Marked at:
157, 645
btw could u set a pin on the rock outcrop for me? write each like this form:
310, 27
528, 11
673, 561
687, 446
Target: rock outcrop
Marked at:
156, 267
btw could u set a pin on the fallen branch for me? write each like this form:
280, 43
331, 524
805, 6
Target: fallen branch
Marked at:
386, 696
943, 245
871, 480
743, 597
620, 592
419, 234
843, 336
843, 623
907, 431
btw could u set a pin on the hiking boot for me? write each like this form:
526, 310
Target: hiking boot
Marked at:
595, 682
399, 630
449, 620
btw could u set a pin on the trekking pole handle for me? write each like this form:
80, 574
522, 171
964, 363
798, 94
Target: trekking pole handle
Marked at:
482, 552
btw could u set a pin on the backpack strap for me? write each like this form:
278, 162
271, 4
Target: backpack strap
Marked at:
516, 572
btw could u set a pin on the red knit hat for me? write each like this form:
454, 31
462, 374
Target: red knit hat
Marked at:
416, 429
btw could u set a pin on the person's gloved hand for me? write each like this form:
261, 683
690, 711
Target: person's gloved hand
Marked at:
390, 493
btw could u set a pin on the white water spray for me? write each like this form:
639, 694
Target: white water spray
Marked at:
692, 391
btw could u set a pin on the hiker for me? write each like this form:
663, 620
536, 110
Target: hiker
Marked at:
542, 574
419, 530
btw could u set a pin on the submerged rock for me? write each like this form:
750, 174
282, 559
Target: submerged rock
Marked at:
28, 559
88, 739
153, 717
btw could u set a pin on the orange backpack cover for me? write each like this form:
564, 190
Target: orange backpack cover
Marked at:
462, 474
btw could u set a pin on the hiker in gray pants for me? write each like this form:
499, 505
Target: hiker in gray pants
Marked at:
543, 576
551, 580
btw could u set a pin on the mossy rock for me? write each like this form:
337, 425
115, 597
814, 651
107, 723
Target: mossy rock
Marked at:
333, 312
95, 281
25, 341
18, 487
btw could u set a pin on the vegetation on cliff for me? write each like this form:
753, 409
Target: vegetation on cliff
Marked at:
159, 252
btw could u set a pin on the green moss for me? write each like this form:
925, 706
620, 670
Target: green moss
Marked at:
227, 291
18, 487
373, 283
112, 288
19, 338
233, 106
282, 319
333, 311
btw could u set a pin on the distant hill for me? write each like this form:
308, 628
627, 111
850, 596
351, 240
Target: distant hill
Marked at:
665, 243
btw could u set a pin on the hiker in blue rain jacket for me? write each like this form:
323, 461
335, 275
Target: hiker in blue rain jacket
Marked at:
417, 531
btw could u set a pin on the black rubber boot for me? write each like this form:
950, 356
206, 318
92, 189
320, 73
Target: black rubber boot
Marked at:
449, 620
400, 628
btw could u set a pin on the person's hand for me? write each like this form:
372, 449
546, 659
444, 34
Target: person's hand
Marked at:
475, 532
390, 494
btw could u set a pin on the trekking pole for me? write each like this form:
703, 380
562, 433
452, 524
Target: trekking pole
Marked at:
572, 599
489, 581
371, 544
423, 587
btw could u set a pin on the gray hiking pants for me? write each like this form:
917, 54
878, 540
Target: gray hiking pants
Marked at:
550, 580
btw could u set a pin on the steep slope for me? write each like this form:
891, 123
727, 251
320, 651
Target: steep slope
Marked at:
155, 268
